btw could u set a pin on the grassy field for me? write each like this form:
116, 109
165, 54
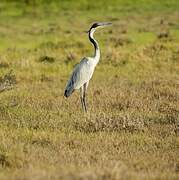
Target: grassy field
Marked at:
132, 128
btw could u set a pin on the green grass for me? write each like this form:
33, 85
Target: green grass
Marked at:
132, 127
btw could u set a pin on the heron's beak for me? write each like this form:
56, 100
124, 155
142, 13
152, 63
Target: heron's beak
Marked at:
105, 24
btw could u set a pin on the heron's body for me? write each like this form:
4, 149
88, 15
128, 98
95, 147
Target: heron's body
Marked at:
83, 71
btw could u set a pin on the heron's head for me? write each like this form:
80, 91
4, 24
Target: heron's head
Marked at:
99, 25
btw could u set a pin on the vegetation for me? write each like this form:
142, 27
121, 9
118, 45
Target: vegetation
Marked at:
132, 128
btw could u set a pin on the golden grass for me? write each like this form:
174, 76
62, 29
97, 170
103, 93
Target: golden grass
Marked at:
132, 127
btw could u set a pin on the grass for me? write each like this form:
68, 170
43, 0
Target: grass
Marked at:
132, 127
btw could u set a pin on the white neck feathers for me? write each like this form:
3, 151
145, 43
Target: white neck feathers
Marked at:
96, 46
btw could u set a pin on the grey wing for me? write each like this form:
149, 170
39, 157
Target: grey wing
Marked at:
70, 85
75, 79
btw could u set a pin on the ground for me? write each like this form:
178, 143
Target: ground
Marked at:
131, 130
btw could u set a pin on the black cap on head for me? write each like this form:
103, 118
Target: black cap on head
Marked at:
100, 24
94, 25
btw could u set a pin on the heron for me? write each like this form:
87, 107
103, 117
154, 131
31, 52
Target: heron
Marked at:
83, 71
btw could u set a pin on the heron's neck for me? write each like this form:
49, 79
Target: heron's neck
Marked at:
96, 46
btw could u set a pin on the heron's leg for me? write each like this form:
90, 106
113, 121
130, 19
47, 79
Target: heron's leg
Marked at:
81, 98
84, 95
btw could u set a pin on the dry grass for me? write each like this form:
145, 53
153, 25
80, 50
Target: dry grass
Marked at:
132, 128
